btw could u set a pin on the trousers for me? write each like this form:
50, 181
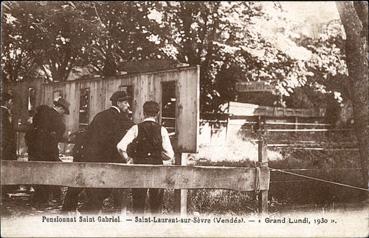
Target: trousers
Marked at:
95, 199
139, 199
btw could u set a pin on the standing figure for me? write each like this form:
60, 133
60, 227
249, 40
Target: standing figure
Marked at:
8, 135
148, 143
42, 140
99, 145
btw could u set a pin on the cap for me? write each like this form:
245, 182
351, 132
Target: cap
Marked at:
62, 103
119, 96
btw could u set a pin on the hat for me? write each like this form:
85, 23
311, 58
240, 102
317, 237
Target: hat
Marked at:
119, 96
62, 103
151, 107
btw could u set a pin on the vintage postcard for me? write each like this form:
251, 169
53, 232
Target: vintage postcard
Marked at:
184, 119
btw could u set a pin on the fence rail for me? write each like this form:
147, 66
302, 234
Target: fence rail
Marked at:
111, 175
306, 130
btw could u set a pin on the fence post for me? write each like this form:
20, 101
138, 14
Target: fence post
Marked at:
180, 195
19, 123
263, 161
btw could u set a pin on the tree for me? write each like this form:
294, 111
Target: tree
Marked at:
123, 36
63, 30
52, 35
208, 34
354, 17
326, 86
18, 59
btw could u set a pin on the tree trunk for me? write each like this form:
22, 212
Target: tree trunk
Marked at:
357, 64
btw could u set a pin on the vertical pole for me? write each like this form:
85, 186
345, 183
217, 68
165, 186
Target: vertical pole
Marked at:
180, 195
17, 134
227, 126
263, 160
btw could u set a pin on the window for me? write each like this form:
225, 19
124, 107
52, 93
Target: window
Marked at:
168, 110
84, 107
31, 101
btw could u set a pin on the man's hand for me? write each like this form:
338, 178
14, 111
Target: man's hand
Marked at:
166, 159
167, 162
123, 154
130, 160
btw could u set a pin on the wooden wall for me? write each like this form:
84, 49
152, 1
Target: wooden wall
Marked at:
20, 91
146, 86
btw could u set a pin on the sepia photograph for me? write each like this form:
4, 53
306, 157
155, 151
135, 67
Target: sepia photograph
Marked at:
184, 119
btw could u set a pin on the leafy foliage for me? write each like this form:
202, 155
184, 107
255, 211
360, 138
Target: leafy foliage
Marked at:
54, 34
229, 40
123, 36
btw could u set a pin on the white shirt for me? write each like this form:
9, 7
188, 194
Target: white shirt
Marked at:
117, 108
167, 154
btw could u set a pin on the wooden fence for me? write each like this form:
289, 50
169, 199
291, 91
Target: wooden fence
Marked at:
111, 175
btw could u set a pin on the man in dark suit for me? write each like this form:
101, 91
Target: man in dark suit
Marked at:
42, 140
8, 136
106, 129
100, 140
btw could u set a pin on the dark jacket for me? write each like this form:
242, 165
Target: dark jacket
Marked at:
8, 136
46, 131
104, 132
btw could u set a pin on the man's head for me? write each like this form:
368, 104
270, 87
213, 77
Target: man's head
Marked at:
6, 99
151, 109
120, 100
61, 106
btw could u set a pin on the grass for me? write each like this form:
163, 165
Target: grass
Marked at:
285, 190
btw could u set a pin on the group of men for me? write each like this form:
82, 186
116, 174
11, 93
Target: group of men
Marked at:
110, 137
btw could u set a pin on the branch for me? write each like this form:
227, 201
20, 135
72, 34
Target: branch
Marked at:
46, 73
98, 16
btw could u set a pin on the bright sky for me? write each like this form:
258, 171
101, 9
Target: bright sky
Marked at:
308, 15
311, 11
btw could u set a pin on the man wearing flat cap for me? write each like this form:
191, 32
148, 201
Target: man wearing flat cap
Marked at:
101, 138
42, 139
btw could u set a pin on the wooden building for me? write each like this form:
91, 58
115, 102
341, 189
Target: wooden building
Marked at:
176, 90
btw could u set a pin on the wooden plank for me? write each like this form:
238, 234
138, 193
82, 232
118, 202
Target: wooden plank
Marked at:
188, 110
177, 192
72, 95
180, 195
97, 98
110, 175
298, 124
306, 130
